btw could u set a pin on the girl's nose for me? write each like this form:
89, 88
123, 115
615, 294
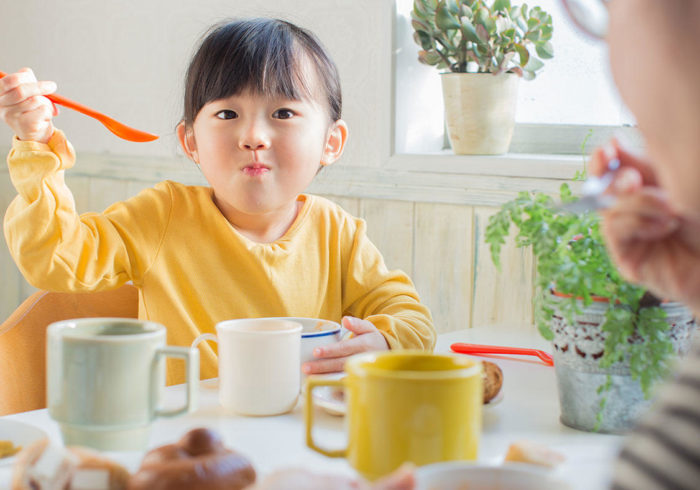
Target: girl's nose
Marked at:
255, 138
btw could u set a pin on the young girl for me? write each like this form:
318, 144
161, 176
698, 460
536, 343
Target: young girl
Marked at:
262, 117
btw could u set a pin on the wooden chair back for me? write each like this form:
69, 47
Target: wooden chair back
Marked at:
23, 339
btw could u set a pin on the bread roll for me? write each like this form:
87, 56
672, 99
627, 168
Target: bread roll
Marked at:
493, 380
199, 461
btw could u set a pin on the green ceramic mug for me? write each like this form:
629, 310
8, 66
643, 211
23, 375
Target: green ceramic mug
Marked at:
105, 378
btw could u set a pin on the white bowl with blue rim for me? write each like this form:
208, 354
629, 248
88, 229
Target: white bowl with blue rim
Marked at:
316, 332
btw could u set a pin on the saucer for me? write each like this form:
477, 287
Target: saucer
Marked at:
330, 399
20, 434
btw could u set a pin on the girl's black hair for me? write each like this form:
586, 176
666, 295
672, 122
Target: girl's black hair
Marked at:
267, 56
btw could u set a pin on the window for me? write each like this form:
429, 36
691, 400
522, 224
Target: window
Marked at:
572, 94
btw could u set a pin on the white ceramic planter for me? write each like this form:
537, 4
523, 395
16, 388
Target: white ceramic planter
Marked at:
480, 111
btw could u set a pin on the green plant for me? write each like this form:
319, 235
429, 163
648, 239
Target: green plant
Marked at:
572, 259
471, 36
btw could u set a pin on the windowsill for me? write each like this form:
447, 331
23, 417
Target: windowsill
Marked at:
531, 166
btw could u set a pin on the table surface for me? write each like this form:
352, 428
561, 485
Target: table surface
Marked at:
528, 410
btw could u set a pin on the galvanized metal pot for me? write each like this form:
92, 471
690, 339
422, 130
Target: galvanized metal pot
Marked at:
577, 351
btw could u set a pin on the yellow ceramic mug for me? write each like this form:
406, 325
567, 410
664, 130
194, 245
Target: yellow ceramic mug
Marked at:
405, 406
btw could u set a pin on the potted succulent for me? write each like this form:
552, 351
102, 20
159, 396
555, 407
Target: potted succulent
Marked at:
485, 47
612, 340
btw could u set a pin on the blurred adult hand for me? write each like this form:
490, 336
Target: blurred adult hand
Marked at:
652, 244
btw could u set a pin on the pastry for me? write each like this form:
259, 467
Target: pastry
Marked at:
198, 461
43, 465
532, 453
493, 380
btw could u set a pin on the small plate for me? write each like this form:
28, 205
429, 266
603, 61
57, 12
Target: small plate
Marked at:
20, 434
330, 399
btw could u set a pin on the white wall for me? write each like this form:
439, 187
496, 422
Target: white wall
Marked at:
127, 58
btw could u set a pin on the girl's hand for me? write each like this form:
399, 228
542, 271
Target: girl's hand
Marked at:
331, 358
651, 243
24, 108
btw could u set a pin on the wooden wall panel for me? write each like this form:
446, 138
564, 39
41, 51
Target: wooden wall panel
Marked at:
105, 192
80, 187
390, 227
501, 298
443, 264
349, 204
133, 187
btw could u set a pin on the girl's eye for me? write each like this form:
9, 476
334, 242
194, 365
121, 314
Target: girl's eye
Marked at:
283, 114
226, 114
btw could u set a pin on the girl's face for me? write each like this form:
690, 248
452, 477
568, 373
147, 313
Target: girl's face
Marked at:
259, 153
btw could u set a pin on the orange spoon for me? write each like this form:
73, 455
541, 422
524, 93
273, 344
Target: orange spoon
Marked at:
478, 349
121, 130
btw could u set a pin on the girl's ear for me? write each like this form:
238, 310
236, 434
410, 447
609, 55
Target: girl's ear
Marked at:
187, 142
335, 142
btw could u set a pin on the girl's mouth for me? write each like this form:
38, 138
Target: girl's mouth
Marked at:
255, 169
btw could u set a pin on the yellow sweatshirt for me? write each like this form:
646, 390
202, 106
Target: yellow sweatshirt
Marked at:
192, 268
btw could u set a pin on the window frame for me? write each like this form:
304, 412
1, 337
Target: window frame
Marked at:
547, 151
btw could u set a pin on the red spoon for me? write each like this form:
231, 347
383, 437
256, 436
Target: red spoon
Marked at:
121, 130
478, 349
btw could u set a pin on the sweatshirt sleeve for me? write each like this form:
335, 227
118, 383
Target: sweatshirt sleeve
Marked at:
54, 247
386, 298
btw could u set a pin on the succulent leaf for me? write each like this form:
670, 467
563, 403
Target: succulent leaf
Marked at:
533, 64
429, 57
482, 33
423, 39
453, 7
523, 54
444, 20
501, 5
469, 31
545, 50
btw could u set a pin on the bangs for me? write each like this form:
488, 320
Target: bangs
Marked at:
259, 55
263, 61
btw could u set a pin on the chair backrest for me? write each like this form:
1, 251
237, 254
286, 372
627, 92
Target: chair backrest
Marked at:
23, 339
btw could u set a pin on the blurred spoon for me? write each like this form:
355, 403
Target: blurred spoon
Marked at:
593, 195
121, 130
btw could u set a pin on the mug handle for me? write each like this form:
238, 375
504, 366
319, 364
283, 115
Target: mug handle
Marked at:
311, 383
191, 358
199, 340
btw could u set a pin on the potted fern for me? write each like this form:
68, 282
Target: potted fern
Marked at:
612, 340
485, 48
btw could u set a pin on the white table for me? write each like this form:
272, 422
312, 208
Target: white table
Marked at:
529, 410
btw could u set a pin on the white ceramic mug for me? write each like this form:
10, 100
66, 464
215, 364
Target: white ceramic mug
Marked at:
105, 378
258, 364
